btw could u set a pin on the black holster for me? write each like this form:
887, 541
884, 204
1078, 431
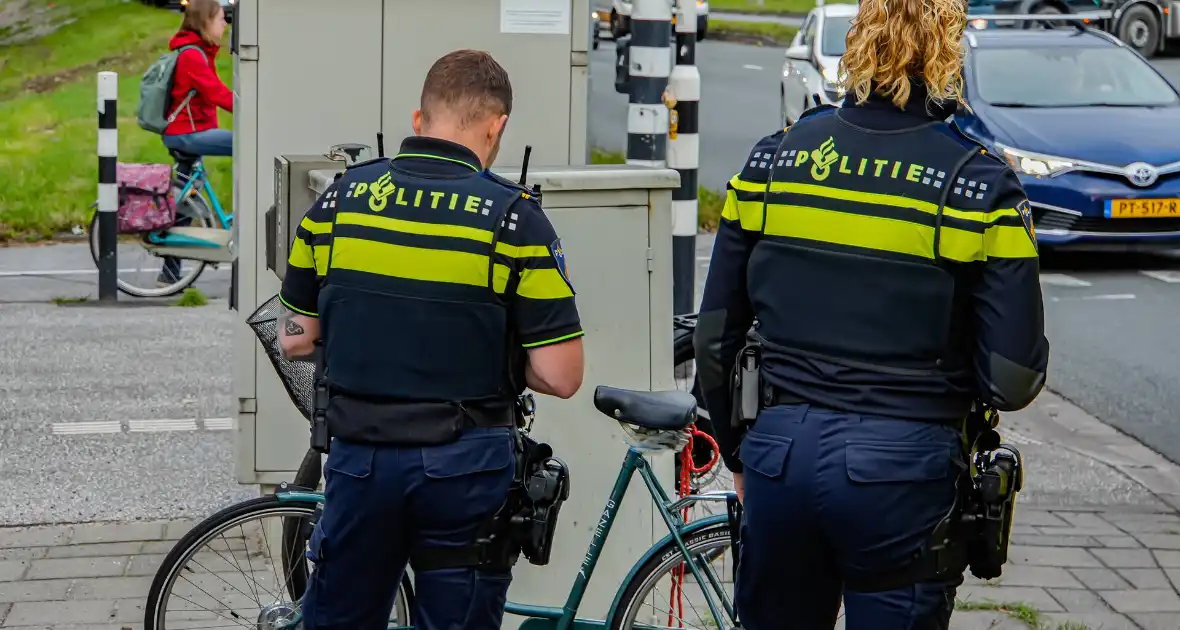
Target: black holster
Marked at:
321, 438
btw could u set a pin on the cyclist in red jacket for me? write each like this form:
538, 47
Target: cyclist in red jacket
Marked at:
194, 131
195, 128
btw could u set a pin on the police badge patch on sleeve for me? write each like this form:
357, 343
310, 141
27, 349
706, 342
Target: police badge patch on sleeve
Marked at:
559, 257
1026, 217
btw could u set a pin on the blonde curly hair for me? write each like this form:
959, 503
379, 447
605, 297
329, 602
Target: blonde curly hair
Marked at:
894, 42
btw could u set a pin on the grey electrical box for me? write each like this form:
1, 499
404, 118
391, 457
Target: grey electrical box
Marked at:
290, 204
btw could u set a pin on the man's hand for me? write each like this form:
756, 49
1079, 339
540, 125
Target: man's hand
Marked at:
297, 335
739, 486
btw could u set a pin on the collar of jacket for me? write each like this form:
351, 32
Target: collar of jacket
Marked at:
918, 104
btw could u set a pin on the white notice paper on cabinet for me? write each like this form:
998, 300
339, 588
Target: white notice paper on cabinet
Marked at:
539, 17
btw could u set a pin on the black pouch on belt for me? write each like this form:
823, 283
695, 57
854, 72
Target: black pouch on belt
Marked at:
408, 423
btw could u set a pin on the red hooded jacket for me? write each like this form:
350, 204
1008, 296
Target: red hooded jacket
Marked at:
194, 72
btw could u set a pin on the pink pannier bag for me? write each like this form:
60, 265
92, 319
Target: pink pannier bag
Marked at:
144, 200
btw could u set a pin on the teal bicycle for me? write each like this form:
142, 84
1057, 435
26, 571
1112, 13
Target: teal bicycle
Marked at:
202, 236
256, 573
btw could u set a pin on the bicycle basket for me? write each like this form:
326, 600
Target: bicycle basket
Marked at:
298, 377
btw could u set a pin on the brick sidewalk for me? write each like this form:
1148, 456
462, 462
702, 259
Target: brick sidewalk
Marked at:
1105, 570
88, 576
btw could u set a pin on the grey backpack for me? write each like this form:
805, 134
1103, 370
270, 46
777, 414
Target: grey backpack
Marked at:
155, 92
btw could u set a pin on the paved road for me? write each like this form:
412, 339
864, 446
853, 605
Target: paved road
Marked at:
739, 102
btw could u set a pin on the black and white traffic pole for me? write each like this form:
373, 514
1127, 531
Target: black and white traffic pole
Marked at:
684, 150
650, 64
108, 189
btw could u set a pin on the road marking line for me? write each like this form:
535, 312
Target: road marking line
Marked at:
83, 272
1171, 277
1062, 280
1106, 296
161, 425
219, 424
84, 428
750, 66
157, 426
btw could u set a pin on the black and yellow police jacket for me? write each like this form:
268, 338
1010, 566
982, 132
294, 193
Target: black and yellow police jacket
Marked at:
890, 262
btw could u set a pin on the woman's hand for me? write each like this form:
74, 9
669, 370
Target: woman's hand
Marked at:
739, 486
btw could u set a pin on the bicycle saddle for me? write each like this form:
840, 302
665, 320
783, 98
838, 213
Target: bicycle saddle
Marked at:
662, 411
181, 156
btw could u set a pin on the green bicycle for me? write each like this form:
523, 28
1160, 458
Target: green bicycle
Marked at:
258, 596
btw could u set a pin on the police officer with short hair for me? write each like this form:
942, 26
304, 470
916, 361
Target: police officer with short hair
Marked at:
440, 291
891, 265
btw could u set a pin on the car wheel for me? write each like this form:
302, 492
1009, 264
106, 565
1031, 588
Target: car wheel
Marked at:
1140, 30
1042, 9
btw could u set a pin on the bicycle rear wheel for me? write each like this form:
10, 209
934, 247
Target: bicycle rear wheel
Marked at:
140, 270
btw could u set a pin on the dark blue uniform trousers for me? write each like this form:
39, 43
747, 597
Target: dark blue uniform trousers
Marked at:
383, 501
828, 492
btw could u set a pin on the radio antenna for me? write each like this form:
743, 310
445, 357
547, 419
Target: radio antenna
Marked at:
380, 144
524, 166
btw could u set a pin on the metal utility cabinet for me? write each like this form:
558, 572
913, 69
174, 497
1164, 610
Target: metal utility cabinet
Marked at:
309, 74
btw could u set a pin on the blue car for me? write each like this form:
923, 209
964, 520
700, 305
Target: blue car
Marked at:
1092, 130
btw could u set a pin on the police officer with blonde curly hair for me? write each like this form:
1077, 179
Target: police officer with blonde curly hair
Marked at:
891, 264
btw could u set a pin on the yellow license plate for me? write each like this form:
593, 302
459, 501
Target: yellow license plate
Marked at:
1142, 208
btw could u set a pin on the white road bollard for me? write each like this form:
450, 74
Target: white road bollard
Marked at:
651, 64
108, 188
684, 148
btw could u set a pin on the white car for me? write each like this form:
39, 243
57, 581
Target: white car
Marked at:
620, 17
810, 70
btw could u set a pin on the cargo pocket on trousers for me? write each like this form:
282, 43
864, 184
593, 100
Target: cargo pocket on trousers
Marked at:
352, 460
469, 478
909, 485
765, 454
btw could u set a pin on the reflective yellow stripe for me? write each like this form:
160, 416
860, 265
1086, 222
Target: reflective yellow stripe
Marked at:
749, 213
415, 263
438, 229
301, 255
1008, 241
320, 254
554, 340
896, 201
543, 284
854, 230
316, 227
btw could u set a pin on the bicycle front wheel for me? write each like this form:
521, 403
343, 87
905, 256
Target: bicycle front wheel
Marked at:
236, 568
663, 593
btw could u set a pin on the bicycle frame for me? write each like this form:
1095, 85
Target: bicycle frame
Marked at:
565, 617
199, 177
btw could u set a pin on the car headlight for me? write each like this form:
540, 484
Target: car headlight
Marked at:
832, 81
1036, 164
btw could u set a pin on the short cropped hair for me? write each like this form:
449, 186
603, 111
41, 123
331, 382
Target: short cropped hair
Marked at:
470, 84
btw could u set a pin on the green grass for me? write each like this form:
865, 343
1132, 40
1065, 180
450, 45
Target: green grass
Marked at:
1020, 611
786, 7
48, 128
710, 202
192, 297
763, 33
